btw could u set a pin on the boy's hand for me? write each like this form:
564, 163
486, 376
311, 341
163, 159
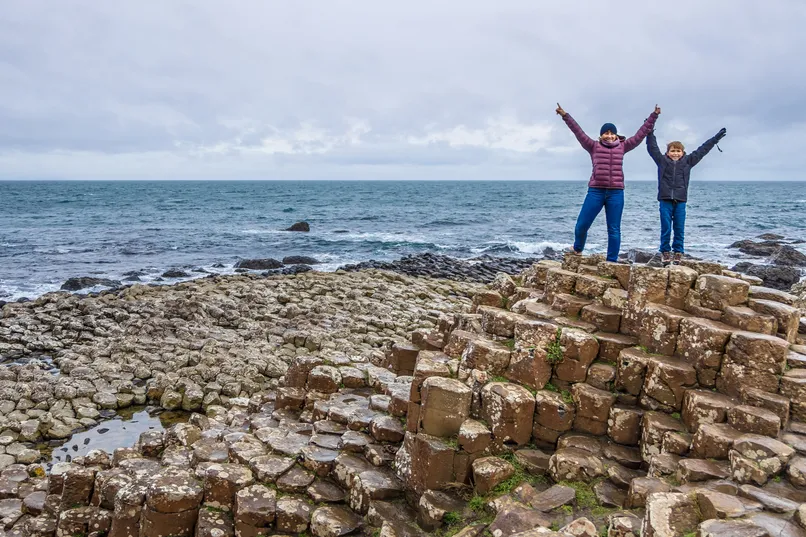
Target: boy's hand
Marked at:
721, 134
560, 110
657, 109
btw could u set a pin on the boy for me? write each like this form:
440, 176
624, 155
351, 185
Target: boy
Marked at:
673, 175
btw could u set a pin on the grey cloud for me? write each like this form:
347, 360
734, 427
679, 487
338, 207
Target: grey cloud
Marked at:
203, 88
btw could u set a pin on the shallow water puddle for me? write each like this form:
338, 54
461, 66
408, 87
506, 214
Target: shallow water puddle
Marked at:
44, 362
122, 431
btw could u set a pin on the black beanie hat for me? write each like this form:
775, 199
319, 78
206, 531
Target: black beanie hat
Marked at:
608, 127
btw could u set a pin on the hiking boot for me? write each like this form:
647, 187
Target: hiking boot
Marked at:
571, 251
678, 257
665, 258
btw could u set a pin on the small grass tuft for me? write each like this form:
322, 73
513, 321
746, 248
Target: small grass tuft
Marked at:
477, 504
550, 387
509, 343
567, 398
586, 498
554, 351
452, 518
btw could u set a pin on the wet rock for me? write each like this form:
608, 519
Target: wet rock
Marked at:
776, 277
299, 226
76, 284
300, 260
175, 273
259, 264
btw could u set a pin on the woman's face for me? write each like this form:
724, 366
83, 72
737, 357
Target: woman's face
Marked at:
608, 137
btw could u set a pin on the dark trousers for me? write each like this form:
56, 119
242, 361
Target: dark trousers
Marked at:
672, 218
613, 202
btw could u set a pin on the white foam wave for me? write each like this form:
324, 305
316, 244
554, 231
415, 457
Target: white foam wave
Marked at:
536, 247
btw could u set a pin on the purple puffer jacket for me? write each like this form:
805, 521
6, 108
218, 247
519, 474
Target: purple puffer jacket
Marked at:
608, 158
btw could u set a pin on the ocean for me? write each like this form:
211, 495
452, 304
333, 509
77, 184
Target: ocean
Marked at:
54, 230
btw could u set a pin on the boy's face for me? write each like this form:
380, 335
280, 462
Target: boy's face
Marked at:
675, 153
609, 137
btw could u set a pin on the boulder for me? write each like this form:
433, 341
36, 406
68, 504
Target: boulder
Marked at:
299, 226
76, 284
259, 264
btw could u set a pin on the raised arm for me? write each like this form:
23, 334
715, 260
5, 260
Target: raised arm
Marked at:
696, 156
652, 147
633, 141
585, 141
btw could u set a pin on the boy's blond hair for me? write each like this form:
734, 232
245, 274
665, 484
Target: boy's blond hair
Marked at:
675, 145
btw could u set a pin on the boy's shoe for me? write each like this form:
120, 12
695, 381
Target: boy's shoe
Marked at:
678, 257
571, 251
665, 258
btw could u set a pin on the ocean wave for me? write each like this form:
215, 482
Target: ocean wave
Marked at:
446, 223
264, 231
537, 247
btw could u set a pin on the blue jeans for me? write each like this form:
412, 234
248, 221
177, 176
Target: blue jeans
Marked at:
613, 202
672, 217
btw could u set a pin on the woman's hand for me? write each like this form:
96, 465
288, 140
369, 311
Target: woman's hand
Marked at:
657, 109
560, 110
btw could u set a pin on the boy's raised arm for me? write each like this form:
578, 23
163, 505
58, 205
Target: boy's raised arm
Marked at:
649, 124
696, 156
652, 147
585, 141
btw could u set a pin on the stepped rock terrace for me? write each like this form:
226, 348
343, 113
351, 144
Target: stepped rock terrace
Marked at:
576, 398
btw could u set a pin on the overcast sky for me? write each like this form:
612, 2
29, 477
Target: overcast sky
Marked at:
357, 89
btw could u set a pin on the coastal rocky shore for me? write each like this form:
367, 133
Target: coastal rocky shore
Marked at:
564, 398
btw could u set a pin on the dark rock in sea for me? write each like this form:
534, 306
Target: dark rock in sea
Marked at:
132, 279
76, 284
22, 300
218, 265
299, 226
201, 270
258, 264
289, 270
797, 241
341, 231
480, 269
637, 256
551, 253
788, 256
777, 277
761, 249
770, 237
175, 273
241, 270
300, 260
3, 303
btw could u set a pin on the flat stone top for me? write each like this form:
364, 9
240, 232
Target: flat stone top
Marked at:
447, 384
757, 291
